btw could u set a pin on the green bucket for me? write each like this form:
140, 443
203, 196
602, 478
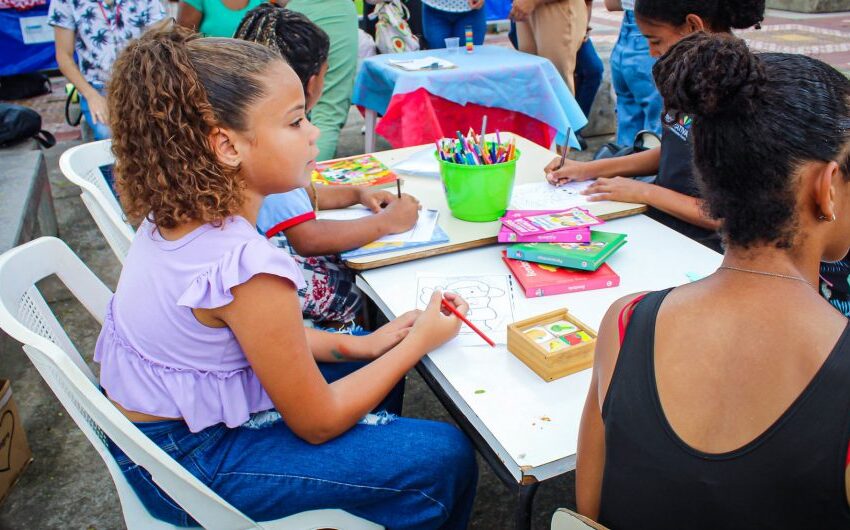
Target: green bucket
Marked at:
478, 193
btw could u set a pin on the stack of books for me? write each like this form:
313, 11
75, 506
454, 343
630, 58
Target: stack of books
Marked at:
544, 269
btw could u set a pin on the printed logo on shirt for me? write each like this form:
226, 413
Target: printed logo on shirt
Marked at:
681, 127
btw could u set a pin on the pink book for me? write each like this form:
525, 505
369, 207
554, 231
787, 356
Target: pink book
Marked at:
573, 235
534, 223
545, 280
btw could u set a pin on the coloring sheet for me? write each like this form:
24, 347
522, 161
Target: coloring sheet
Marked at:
490, 299
544, 196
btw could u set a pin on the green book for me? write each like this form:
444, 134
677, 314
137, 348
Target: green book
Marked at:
588, 257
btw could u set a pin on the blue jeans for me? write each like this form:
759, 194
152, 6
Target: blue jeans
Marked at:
401, 473
589, 70
639, 104
101, 130
439, 25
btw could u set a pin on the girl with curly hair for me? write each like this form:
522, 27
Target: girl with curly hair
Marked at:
724, 403
674, 198
202, 345
331, 296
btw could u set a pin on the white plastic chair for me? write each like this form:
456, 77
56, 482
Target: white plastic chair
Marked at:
564, 519
81, 165
25, 316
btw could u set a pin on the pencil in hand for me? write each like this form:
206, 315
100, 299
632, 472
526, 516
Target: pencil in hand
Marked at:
445, 303
398, 187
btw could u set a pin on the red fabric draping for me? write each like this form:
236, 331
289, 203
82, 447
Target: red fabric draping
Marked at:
420, 117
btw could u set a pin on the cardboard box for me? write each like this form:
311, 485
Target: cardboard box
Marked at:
553, 353
15, 454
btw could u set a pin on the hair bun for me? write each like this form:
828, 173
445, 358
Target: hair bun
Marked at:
742, 14
709, 75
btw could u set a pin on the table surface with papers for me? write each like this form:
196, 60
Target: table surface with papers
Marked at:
529, 426
530, 192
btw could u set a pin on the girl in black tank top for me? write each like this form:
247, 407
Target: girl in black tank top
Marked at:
725, 403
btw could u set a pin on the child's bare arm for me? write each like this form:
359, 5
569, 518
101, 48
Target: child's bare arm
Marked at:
265, 318
323, 237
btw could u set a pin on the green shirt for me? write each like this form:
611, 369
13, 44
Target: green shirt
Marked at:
218, 19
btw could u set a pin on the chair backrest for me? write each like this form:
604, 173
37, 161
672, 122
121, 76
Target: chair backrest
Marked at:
25, 316
81, 165
564, 519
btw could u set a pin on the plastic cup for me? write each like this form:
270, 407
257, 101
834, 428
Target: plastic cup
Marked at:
478, 193
452, 44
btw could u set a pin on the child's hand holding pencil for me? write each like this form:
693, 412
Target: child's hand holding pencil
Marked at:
439, 322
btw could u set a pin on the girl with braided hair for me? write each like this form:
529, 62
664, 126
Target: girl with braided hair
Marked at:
331, 296
724, 403
203, 346
674, 198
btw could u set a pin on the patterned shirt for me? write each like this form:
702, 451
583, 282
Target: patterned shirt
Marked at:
102, 29
452, 6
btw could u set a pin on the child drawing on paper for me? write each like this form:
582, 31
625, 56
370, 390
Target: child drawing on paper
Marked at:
489, 301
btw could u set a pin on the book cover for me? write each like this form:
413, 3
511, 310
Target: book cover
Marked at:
377, 247
572, 255
361, 170
546, 280
541, 223
573, 235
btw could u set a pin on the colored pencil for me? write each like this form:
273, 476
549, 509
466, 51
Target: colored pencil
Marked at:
456, 313
565, 150
398, 187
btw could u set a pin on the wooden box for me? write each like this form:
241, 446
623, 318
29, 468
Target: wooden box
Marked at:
554, 344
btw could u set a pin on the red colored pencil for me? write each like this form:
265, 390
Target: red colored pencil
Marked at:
451, 308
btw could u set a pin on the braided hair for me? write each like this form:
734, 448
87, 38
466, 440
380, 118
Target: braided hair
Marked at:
304, 45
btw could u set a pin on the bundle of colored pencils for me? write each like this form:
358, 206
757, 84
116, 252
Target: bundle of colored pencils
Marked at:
475, 150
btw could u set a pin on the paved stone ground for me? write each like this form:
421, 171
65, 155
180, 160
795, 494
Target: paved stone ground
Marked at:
67, 486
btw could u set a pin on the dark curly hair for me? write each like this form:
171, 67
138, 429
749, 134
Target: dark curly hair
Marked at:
168, 90
756, 120
304, 45
721, 15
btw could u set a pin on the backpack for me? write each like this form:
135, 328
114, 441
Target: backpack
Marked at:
20, 123
392, 32
644, 140
24, 86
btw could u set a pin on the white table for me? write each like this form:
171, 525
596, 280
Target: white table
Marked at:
527, 428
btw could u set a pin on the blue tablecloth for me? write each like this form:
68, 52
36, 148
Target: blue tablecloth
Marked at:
17, 57
492, 76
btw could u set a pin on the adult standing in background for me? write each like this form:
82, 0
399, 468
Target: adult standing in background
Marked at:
214, 18
442, 19
338, 18
553, 29
97, 30
639, 104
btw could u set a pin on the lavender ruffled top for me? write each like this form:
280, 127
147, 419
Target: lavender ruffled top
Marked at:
155, 356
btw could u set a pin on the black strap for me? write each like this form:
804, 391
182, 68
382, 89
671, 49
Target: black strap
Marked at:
45, 139
68, 101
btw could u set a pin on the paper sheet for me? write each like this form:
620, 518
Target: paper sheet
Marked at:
421, 164
490, 299
423, 231
425, 63
544, 196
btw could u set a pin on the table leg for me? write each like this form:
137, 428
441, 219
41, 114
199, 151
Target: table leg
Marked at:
524, 502
371, 122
